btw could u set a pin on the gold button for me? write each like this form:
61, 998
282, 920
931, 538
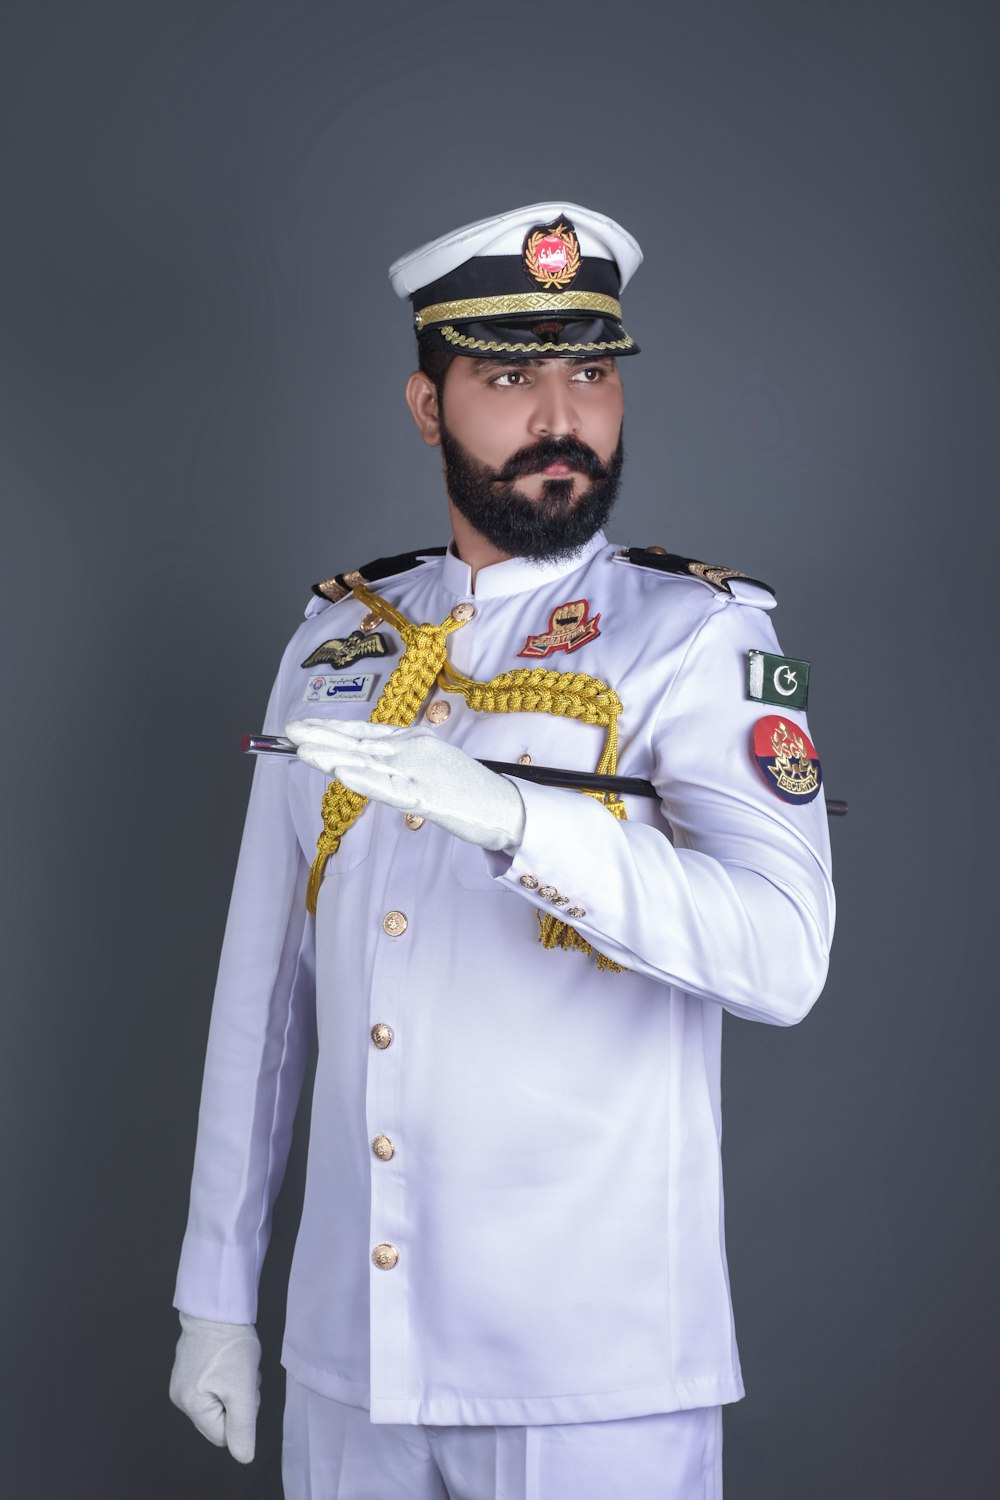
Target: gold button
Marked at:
463, 612
657, 549
524, 760
547, 892
395, 923
438, 711
381, 1035
414, 821
371, 621
383, 1148
559, 900
353, 579
576, 911
530, 882
385, 1256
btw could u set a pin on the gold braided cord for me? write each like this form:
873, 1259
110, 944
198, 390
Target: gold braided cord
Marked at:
573, 695
398, 703
425, 663
526, 690
493, 346
519, 303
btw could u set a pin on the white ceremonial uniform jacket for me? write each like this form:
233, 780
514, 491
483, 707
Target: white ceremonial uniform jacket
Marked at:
555, 1194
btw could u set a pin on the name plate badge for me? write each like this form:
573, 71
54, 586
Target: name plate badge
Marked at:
339, 688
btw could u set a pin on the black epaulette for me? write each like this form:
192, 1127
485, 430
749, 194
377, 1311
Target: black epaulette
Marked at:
340, 585
689, 567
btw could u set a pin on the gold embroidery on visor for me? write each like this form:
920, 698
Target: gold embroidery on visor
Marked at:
519, 303
492, 346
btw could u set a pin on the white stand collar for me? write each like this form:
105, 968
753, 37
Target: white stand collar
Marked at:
516, 575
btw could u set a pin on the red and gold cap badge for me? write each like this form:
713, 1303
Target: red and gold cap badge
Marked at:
552, 254
787, 759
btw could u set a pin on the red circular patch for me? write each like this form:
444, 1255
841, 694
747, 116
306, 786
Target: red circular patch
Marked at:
551, 254
787, 759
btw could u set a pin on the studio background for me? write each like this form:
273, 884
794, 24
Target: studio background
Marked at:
202, 368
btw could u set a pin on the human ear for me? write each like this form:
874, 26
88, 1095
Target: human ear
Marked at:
422, 399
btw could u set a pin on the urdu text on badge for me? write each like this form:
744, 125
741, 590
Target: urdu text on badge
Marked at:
339, 688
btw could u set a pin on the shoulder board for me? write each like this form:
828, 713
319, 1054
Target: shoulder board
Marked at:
340, 585
688, 567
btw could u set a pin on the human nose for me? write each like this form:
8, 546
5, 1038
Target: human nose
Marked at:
555, 413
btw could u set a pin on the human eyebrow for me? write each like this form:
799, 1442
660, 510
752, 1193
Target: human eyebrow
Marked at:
482, 366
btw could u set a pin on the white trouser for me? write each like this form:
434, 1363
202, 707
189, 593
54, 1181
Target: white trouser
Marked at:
333, 1452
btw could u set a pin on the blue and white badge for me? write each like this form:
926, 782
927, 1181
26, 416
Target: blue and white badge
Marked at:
340, 688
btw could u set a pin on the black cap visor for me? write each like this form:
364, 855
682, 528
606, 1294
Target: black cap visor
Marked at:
549, 337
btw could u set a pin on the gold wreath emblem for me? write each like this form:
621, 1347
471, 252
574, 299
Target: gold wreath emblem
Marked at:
543, 274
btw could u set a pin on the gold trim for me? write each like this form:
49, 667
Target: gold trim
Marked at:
520, 303
332, 590
717, 574
491, 346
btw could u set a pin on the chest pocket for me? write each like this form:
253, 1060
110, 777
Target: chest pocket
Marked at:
305, 798
306, 786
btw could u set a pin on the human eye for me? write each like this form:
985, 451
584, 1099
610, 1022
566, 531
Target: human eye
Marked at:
510, 379
589, 374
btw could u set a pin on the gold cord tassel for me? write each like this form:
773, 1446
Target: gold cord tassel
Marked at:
425, 662
557, 934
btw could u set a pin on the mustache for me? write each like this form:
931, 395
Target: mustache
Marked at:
538, 456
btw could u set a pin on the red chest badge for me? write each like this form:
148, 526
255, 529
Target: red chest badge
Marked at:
787, 759
570, 627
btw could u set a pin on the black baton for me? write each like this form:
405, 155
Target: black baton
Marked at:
586, 781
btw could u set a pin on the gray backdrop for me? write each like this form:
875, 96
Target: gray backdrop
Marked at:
202, 412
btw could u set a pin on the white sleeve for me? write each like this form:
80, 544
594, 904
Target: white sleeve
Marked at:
263, 1023
739, 909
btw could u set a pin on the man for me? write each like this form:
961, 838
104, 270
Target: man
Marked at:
510, 1278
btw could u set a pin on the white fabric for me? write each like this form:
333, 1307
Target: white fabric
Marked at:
415, 771
216, 1382
515, 575
333, 1452
503, 234
555, 1192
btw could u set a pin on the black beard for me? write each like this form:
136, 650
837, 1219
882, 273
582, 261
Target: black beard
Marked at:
552, 527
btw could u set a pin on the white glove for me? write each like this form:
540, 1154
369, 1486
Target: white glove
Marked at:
416, 771
216, 1382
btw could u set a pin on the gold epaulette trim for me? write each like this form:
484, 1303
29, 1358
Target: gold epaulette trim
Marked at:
717, 575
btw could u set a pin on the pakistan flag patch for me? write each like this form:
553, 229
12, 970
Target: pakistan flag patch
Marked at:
783, 680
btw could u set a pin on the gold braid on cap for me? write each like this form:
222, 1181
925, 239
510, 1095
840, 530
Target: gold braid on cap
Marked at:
425, 663
518, 304
498, 346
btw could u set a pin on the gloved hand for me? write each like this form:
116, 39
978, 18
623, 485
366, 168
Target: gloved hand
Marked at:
416, 771
216, 1382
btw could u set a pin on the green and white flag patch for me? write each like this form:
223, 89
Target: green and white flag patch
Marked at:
783, 680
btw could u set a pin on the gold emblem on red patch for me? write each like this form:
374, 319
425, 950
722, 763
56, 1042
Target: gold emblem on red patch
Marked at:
552, 254
787, 759
570, 627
